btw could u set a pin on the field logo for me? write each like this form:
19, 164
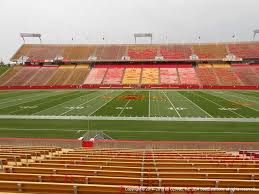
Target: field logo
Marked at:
107, 97
131, 97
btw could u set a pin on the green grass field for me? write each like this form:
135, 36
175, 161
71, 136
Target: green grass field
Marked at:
132, 114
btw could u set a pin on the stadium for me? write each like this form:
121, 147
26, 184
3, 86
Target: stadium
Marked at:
130, 117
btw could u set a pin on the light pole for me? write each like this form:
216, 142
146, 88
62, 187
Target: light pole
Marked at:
255, 32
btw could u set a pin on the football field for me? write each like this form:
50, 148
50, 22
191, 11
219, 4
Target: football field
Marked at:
148, 114
120, 103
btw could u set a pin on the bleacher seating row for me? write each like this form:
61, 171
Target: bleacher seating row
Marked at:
83, 53
113, 170
171, 74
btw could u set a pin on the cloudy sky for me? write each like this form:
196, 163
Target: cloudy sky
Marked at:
87, 21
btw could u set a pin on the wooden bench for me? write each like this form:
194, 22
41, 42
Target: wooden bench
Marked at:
146, 165
103, 180
102, 171
61, 188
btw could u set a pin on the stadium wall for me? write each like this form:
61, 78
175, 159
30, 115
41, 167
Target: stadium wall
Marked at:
129, 87
74, 143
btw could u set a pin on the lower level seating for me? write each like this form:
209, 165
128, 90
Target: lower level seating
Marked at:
95, 76
9, 74
188, 76
132, 76
78, 76
150, 76
207, 75
226, 75
111, 170
246, 75
61, 75
169, 76
23, 76
42, 76
113, 75
256, 69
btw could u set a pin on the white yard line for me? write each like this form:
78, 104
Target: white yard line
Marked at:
149, 107
81, 104
103, 104
171, 104
123, 108
220, 105
196, 105
182, 119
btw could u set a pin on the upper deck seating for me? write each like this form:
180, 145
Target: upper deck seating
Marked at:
245, 50
142, 52
44, 53
110, 52
150, 76
95, 76
207, 75
246, 75
9, 74
62, 74
42, 76
132, 76
226, 76
114, 75
23, 76
78, 52
22, 51
78, 76
210, 51
188, 76
169, 76
176, 51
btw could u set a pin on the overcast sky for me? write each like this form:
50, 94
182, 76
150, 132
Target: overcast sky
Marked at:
87, 21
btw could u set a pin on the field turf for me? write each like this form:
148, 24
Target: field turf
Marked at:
118, 105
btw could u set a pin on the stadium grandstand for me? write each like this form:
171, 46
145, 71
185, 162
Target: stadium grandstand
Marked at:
85, 110
144, 66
